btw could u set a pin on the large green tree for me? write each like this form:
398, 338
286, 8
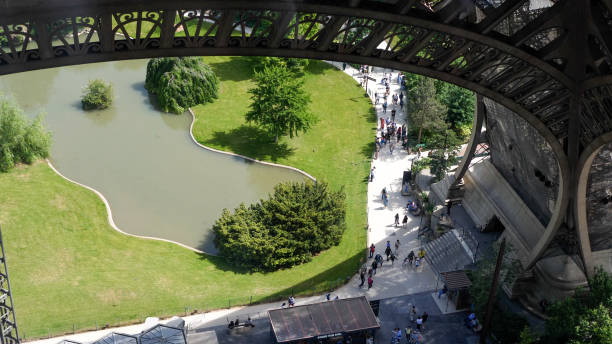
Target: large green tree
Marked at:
459, 103
20, 139
426, 112
593, 327
181, 82
584, 317
296, 222
279, 102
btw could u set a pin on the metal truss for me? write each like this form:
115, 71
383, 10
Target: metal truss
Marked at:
511, 51
8, 324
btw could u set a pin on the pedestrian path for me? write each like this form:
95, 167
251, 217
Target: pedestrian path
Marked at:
391, 280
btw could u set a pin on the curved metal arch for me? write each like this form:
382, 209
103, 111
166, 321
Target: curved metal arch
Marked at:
510, 76
445, 49
584, 168
475, 137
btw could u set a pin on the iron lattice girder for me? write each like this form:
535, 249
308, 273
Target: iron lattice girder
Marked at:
448, 42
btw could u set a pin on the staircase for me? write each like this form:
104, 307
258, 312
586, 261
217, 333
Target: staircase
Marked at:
447, 253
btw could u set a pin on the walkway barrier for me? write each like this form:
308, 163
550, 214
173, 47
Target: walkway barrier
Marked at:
75, 324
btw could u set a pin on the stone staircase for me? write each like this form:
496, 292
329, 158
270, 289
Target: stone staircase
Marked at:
448, 253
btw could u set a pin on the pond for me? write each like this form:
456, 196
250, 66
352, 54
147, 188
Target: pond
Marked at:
157, 180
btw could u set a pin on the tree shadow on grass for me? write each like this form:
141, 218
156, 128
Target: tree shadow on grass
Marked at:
327, 280
318, 67
368, 150
250, 141
237, 68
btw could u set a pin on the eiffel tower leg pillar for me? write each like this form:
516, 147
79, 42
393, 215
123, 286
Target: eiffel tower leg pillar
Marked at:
8, 323
474, 141
586, 193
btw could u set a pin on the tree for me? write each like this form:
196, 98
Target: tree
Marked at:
527, 336
572, 320
460, 104
181, 82
279, 102
441, 163
20, 140
97, 95
425, 110
294, 65
298, 221
504, 323
593, 327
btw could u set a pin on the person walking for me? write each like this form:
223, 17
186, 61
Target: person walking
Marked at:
413, 313
388, 252
410, 257
372, 248
372, 174
362, 277
370, 282
385, 106
392, 258
391, 148
424, 317
343, 65
401, 104
397, 245
405, 221
396, 221
393, 115
374, 266
375, 98
379, 259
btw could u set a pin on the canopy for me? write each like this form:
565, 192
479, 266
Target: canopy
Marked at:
321, 320
456, 280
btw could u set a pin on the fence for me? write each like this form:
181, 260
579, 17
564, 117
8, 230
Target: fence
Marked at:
75, 324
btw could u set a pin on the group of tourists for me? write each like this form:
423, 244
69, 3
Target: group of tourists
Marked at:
393, 132
414, 258
377, 262
413, 335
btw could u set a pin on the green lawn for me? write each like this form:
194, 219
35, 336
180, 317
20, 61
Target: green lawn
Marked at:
68, 266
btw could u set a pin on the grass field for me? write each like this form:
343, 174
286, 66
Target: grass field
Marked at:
69, 267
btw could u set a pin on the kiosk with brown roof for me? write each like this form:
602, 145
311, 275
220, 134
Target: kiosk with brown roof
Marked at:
325, 322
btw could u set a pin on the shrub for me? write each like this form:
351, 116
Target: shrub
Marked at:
181, 82
298, 221
20, 140
97, 95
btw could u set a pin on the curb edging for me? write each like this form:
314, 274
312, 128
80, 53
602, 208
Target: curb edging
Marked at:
109, 213
193, 119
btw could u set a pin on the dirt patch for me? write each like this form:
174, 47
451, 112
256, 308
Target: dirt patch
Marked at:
115, 296
59, 202
49, 272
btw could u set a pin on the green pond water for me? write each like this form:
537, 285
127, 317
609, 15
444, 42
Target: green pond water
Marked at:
157, 180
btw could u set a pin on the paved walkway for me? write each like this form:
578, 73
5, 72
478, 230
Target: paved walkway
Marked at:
389, 281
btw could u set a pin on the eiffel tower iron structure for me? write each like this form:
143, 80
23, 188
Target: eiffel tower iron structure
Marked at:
548, 62
9, 333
